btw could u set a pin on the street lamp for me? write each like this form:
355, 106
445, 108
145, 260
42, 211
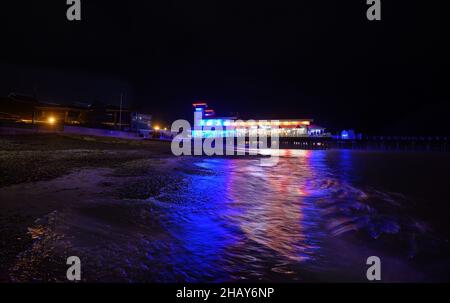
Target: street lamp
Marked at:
51, 120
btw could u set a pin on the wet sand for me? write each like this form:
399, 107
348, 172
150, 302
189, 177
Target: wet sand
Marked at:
58, 192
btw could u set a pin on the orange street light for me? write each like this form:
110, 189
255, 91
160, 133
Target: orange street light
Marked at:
51, 120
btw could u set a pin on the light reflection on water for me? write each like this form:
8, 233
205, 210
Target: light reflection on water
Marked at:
242, 221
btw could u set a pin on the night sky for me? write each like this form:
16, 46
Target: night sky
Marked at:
263, 59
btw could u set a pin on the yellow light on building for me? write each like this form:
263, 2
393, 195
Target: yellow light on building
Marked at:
156, 127
51, 120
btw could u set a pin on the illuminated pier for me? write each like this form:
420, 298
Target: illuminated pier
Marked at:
214, 126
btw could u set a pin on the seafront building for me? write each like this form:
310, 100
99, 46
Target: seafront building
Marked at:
21, 109
211, 125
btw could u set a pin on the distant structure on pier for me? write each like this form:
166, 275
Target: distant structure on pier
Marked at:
237, 127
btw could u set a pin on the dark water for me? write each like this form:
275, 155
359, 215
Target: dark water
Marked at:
316, 216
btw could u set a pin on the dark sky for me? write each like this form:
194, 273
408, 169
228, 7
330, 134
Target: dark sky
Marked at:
264, 59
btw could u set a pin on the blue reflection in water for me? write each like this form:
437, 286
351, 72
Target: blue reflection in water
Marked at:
237, 220
200, 235
244, 221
